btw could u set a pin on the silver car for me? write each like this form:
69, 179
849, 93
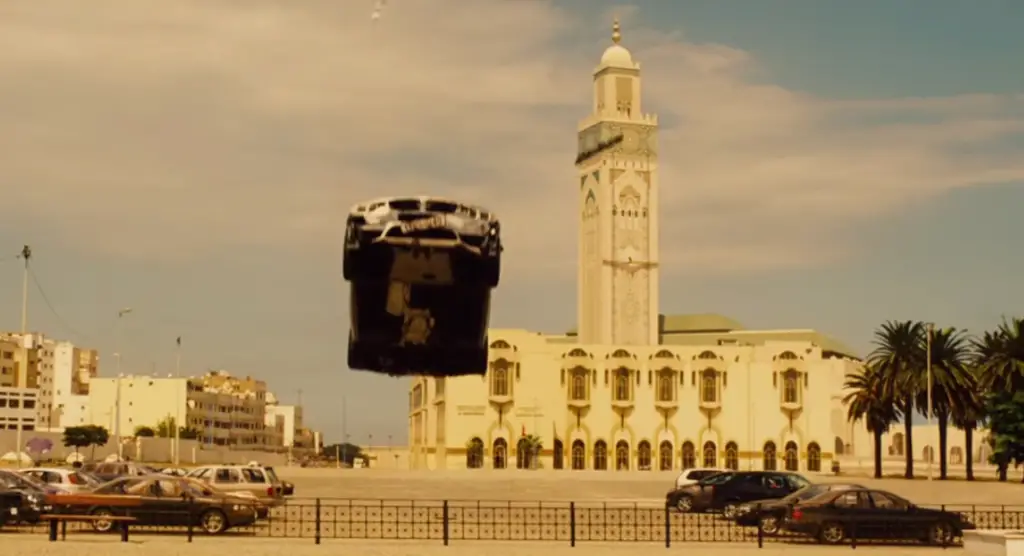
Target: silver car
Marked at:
63, 480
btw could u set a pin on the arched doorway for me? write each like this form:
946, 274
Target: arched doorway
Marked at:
813, 457
475, 454
524, 454
622, 456
710, 455
665, 455
500, 452
792, 456
689, 455
732, 456
579, 455
768, 463
600, 455
643, 456
557, 455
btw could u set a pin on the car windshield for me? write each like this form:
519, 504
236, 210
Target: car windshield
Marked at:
271, 474
15, 480
715, 479
807, 493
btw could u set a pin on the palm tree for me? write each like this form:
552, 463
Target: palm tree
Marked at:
953, 385
899, 357
1000, 357
968, 417
869, 400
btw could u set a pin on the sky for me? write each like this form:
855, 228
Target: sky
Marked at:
824, 164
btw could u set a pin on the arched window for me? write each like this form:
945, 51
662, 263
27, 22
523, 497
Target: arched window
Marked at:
708, 355
956, 455
500, 452
475, 454
600, 455
689, 455
579, 385
788, 355
499, 378
643, 456
708, 386
769, 456
557, 455
839, 447
791, 386
622, 385
928, 454
524, 454
665, 391
622, 456
732, 456
577, 353
665, 455
710, 455
579, 455
500, 344
813, 457
792, 456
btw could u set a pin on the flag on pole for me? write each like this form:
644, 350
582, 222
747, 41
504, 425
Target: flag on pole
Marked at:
524, 430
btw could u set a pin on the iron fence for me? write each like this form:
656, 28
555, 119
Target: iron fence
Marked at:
447, 521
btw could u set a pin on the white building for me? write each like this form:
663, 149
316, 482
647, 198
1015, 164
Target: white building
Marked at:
18, 406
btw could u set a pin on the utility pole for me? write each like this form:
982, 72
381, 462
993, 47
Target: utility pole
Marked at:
928, 348
344, 426
26, 255
177, 405
117, 395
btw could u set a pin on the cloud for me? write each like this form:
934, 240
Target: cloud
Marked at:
205, 125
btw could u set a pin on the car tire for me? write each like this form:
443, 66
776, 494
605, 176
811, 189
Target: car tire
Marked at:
213, 522
100, 525
768, 524
940, 533
684, 504
831, 532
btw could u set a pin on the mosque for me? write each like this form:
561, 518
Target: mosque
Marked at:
633, 389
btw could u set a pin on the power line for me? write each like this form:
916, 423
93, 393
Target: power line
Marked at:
49, 305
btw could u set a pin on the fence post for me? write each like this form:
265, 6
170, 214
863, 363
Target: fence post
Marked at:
191, 519
124, 531
668, 527
572, 523
317, 517
444, 522
53, 530
760, 535
853, 534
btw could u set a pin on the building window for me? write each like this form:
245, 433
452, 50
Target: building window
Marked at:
689, 455
622, 385
769, 456
710, 455
643, 459
578, 386
813, 457
665, 456
579, 455
666, 392
791, 386
792, 456
708, 386
732, 456
600, 455
622, 456
499, 378
500, 453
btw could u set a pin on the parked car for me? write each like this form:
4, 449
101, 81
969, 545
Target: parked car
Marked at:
65, 480
263, 484
287, 487
32, 495
835, 516
174, 471
160, 500
243, 496
692, 476
421, 271
728, 491
768, 514
110, 470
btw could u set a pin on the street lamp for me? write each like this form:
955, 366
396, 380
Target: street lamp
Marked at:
929, 331
117, 396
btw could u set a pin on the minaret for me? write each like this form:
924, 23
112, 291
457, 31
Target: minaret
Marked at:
617, 298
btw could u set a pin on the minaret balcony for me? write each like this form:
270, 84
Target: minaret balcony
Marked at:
623, 404
711, 404
578, 404
665, 405
791, 405
500, 399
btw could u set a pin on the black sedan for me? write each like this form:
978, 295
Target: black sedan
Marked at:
768, 514
836, 516
31, 492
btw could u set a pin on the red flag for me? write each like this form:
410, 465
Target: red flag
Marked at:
524, 430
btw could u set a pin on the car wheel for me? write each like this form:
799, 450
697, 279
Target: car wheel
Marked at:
832, 533
684, 504
730, 510
769, 524
99, 524
213, 522
940, 533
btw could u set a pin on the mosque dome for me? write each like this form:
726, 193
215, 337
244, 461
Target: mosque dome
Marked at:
617, 55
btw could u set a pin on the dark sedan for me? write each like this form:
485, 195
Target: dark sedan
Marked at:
836, 516
160, 500
32, 495
730, 490
768, 514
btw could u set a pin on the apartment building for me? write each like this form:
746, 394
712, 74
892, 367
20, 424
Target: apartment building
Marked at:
18, 407
8, 368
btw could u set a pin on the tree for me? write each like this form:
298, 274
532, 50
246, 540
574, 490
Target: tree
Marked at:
1000, 367
76, 437
165, 429
899, 357
869, 400
188, 433
1006, 437
143, 431
953, 384
97, 436
346, 452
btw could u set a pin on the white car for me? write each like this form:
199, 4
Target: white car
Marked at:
64, 480
692, 476
421, 272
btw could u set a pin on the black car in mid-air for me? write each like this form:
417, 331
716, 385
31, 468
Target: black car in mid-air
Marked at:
835, 516
421, 271
768, 514
730, 490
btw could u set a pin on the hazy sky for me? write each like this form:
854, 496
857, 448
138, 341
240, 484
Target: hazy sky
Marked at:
825, 164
